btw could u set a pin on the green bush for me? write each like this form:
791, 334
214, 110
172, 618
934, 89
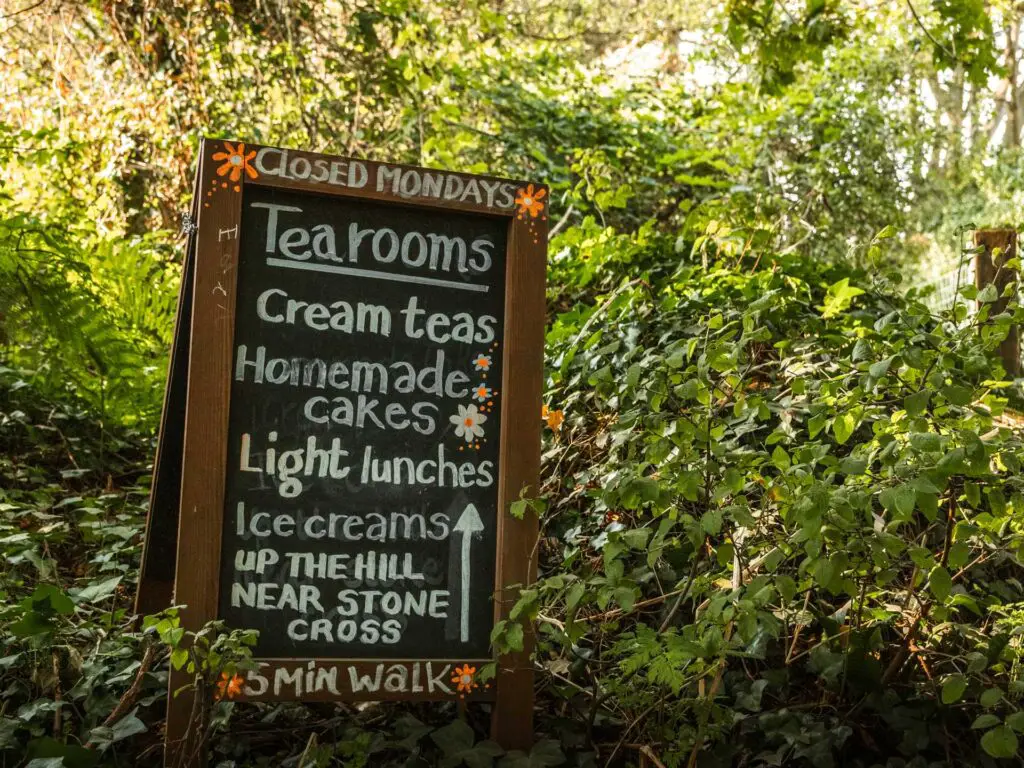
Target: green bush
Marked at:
781, 499
783, 518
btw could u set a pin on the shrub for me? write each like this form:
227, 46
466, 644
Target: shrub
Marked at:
783, 519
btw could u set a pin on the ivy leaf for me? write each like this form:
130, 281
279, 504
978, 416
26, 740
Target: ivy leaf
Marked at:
545, 753
899, 501
55, 596
815, 424
780, 458
915, 404
632, 375
453, 738
97, 591
839, 297
988, 294
844, 425
953, 688
1000, 742
30, 624
67, 755
940, 583
991, 697
879, 369
958, 395
1015, 721
127, 726
985, 721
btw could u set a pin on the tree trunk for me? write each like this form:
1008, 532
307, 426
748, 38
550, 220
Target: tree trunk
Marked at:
1014, 107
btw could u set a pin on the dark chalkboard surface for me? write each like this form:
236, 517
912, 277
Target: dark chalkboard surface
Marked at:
353, 405
361, 497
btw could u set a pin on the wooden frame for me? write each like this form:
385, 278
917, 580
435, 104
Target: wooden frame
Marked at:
204, 458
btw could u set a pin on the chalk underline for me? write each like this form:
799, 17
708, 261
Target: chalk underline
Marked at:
315, 267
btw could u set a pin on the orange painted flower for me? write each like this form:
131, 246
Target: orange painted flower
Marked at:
465, 678
230, 686
235, 161
482, 362
529, 201
553, 418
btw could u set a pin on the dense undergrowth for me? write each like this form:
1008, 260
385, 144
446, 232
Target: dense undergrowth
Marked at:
782, 520
781, 506
780, 526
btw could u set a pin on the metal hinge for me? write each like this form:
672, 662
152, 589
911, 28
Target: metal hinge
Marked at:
188, 226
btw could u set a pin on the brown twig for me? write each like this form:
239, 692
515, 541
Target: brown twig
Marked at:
936, 43
193, 736
710, 696
562, 221
57, 695
697, 557
646, 752
132, 694
26, 9
616, 612
796, 631
639, 718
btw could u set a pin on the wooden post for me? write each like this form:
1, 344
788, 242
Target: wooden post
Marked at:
204, 458
987, 272
512, 716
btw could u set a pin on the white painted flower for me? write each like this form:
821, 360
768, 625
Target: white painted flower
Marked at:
467, 422
481, 392
482, 362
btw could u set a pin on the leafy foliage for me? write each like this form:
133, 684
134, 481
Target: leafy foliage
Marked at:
808, 489
90, 315
781, 494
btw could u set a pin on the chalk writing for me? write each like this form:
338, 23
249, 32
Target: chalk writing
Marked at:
351, 681
363, 433
407, 183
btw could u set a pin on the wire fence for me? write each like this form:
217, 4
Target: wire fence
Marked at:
941, 291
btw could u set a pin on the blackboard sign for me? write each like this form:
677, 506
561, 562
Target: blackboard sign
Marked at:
354, 403
365, 424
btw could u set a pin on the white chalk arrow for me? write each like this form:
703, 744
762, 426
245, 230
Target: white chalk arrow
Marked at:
469, 525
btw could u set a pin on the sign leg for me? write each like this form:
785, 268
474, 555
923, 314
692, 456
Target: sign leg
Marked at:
182, 744
512, 716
